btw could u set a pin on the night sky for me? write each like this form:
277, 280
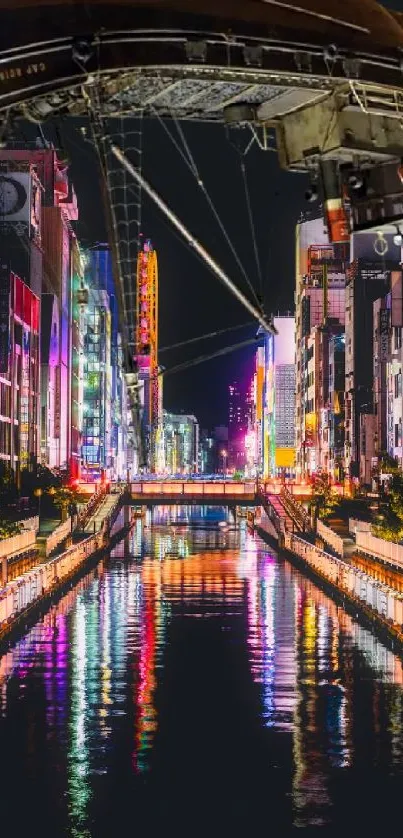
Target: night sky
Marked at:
192, 301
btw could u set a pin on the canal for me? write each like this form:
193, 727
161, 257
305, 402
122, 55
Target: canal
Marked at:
196, 683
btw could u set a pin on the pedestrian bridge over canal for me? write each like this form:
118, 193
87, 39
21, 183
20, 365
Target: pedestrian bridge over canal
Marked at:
211, 492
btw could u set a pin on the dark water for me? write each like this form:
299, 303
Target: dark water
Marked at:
194, 683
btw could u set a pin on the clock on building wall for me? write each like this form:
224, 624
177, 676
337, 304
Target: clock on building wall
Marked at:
15, 197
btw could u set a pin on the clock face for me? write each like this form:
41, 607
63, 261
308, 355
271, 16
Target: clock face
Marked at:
12, 196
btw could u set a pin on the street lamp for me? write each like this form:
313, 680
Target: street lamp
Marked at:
38, 494
224, 455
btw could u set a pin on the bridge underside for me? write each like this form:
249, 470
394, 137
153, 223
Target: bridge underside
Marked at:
193, 60
193, 500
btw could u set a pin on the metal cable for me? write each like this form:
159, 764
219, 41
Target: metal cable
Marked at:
207, 336
252, 228
202, 358
190, 162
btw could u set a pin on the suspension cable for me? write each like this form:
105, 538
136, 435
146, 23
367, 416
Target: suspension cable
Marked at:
102, 146
252, 227
190, 162
225, 279
201, 359
206, 337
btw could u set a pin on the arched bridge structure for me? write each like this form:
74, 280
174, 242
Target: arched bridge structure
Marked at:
319, 81
195, 58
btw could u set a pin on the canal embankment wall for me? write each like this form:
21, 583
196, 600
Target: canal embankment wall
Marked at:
29, 593
378, 604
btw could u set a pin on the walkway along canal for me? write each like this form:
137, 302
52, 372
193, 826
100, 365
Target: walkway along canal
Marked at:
31, 589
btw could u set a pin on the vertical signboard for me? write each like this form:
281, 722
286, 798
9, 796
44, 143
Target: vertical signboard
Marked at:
383, 334
4, 316
57, 403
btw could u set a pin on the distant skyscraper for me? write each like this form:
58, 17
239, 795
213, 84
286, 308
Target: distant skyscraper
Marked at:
279, 402
181, 434
238, 411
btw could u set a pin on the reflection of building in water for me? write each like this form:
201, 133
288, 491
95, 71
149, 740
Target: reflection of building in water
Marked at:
310, 795
150, 639
325, 721
271, 645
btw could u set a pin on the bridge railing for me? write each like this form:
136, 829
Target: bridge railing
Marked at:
193, 488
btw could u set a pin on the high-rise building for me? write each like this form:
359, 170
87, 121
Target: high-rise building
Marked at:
375, 257
97, 386
19, 374
279, 399
254, 439
104, 437
238, 423
21, 258
320, 312
181, 433
206, 453
336, 408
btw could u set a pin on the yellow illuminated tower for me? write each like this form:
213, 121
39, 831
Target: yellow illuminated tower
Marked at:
147, 344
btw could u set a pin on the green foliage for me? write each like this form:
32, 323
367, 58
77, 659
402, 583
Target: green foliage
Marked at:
388, 464
9, 528
323, 500
389, 524
238, 475
39, 478
64, 499
8, 490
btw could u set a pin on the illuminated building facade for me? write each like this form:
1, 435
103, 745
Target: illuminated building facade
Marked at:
239, 410
333, 443
375, 259
207, 454
279, 399
59, 434
19, 374
147, 349
181, 434
319, 311
97, 385
104, 421
21, 257
394, 390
